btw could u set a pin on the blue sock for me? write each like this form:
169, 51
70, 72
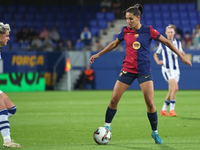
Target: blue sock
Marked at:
153, 119
110, 113
4, 123
12, 111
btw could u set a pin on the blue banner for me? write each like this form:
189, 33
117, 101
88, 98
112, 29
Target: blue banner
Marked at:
108, 66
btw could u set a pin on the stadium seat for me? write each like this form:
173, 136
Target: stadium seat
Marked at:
15, 46
76, 8
150, 22
93, 23
18, 16
166, 16
156, 8
30, 24
192, 15
88, 8
32, 9
183, 15
79, 45
173, 7
191, 6
176, 21
12, 38
157, 16
22, 8
29, 17
100, 15
148, 15
66, 9
175, 16
161, 30
158, 23
147, 8
186, 29
102, 24
55, 8
20, 25
164, 7
110, 16
12, 8
166, 22
2, 9
45, 9
39, 17
182, 7
193, 23
95, 31
8, 16
185, 23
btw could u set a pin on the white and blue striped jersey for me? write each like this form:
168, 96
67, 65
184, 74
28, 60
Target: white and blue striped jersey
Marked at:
170, 59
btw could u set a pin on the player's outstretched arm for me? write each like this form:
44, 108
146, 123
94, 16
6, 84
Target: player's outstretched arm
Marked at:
184, 59
107, 49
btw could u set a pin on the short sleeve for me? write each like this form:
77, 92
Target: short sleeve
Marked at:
180, 46
121, 35
154, 33
159, 49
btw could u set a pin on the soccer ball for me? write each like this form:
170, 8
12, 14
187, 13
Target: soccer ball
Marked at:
102, 136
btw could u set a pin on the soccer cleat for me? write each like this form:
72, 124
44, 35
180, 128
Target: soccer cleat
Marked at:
11, 144
164, 113
156, 137
172, 113
108, 127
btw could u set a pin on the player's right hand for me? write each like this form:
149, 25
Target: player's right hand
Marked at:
160, 62
93, 57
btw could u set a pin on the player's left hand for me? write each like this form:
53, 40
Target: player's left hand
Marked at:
93, 57
186, 61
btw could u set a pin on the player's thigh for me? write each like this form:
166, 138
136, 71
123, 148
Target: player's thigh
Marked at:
119, 89
8, 103
148, 90
173, 85
2, 104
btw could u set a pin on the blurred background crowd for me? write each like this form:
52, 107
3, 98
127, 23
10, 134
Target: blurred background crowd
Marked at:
86, 25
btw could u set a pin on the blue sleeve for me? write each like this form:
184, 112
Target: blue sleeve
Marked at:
121, 35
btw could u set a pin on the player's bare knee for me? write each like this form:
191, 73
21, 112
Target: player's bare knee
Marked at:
150, 105
113, 102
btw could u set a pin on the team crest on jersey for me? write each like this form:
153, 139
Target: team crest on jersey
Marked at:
136, 35
136, 45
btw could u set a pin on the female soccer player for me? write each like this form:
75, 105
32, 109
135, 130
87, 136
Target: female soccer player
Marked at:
7, 108
136, 64
170, 70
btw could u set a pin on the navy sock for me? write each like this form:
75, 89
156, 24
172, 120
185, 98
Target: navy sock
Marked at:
12, 111
110, 113
153, 119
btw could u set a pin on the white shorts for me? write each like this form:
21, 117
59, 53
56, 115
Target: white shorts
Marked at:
1, 91
170, 74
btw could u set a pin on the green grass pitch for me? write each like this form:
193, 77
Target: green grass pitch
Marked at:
67, 120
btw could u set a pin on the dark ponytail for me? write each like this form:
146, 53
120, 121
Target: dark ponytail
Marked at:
137, 10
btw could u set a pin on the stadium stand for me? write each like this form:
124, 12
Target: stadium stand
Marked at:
183, 15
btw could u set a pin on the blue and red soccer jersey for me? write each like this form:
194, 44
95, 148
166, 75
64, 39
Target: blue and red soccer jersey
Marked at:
137, 59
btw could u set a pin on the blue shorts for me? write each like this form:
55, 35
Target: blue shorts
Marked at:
128, 78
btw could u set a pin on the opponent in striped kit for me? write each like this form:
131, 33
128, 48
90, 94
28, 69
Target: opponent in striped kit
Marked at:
136, 64
170, 70
7, 108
